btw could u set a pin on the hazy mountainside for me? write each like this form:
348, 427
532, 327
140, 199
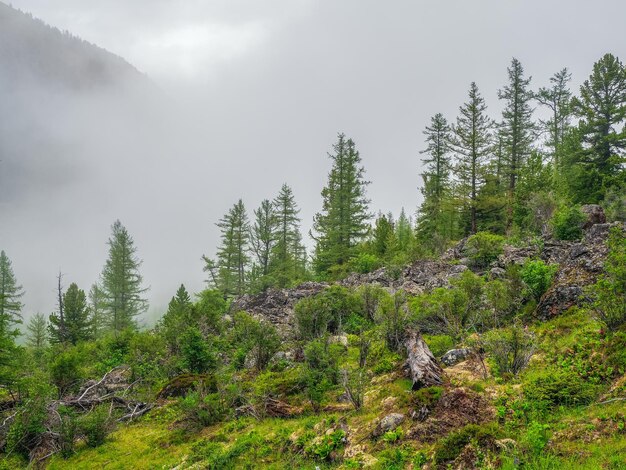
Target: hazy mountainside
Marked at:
33, 52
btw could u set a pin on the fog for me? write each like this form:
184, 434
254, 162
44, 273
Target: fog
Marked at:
241, 97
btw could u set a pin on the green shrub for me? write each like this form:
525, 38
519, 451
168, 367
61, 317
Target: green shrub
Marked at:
197, 355
510, 349
537, 275
327, 311
323, 448
65, 371
258, 338
555, 387
365, 263
439, 344
567, 223
451, 446
536, 437
483, 248
96, 425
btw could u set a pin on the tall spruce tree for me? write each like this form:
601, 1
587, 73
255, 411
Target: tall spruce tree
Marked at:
433, 220
232, 254
472, 144
557, 98
598, 160
121, 282
73, 324
343, 220
517, 128
286, 262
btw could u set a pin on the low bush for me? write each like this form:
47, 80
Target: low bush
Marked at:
556, 387
567, 223
453, 444
510, 349
537, 276
483, 248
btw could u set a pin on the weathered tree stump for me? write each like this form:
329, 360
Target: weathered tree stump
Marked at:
422, 365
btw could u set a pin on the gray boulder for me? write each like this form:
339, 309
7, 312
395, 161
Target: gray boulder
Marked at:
454, 356
388, 423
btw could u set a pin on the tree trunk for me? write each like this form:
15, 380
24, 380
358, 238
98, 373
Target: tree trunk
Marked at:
423, 367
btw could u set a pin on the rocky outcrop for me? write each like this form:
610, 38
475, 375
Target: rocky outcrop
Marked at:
580, 263
594, 213
276, 305
579, 267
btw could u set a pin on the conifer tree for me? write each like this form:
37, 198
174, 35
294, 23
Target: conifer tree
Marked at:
10, 315
557, 99
262, 237
97, 311
232, 255
71, 324
433, 217
404, 232
37, 328
599, 158
285, 262
10, 294
343, 220
517, 128
177, 318
121, 282
472, 143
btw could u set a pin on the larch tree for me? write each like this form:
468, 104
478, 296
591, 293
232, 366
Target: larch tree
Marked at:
10, 315
262, 237
232, 254
37, 332
286, 262
601, 108
433, 216
11, 294
343, 220
472, 143
557, 98
517, 128
121, 281
98, 319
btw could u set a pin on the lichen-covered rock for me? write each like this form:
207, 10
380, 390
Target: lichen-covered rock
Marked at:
388, 423
454, 356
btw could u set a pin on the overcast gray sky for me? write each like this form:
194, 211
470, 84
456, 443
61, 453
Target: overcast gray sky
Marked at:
258, 91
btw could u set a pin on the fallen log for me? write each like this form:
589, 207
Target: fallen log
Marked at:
423, 367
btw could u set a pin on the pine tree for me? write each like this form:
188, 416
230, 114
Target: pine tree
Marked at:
557, 99
343, 221
517, 128
433, 219
121, 282
10, 294
285, 259
404, 232
602, 109
383, 228
472, 143
232, 255
37, 337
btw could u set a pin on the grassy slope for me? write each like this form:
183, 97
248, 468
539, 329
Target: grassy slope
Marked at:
589, 436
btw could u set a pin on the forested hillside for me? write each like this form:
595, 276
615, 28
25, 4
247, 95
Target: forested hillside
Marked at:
33, 53
488, 331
